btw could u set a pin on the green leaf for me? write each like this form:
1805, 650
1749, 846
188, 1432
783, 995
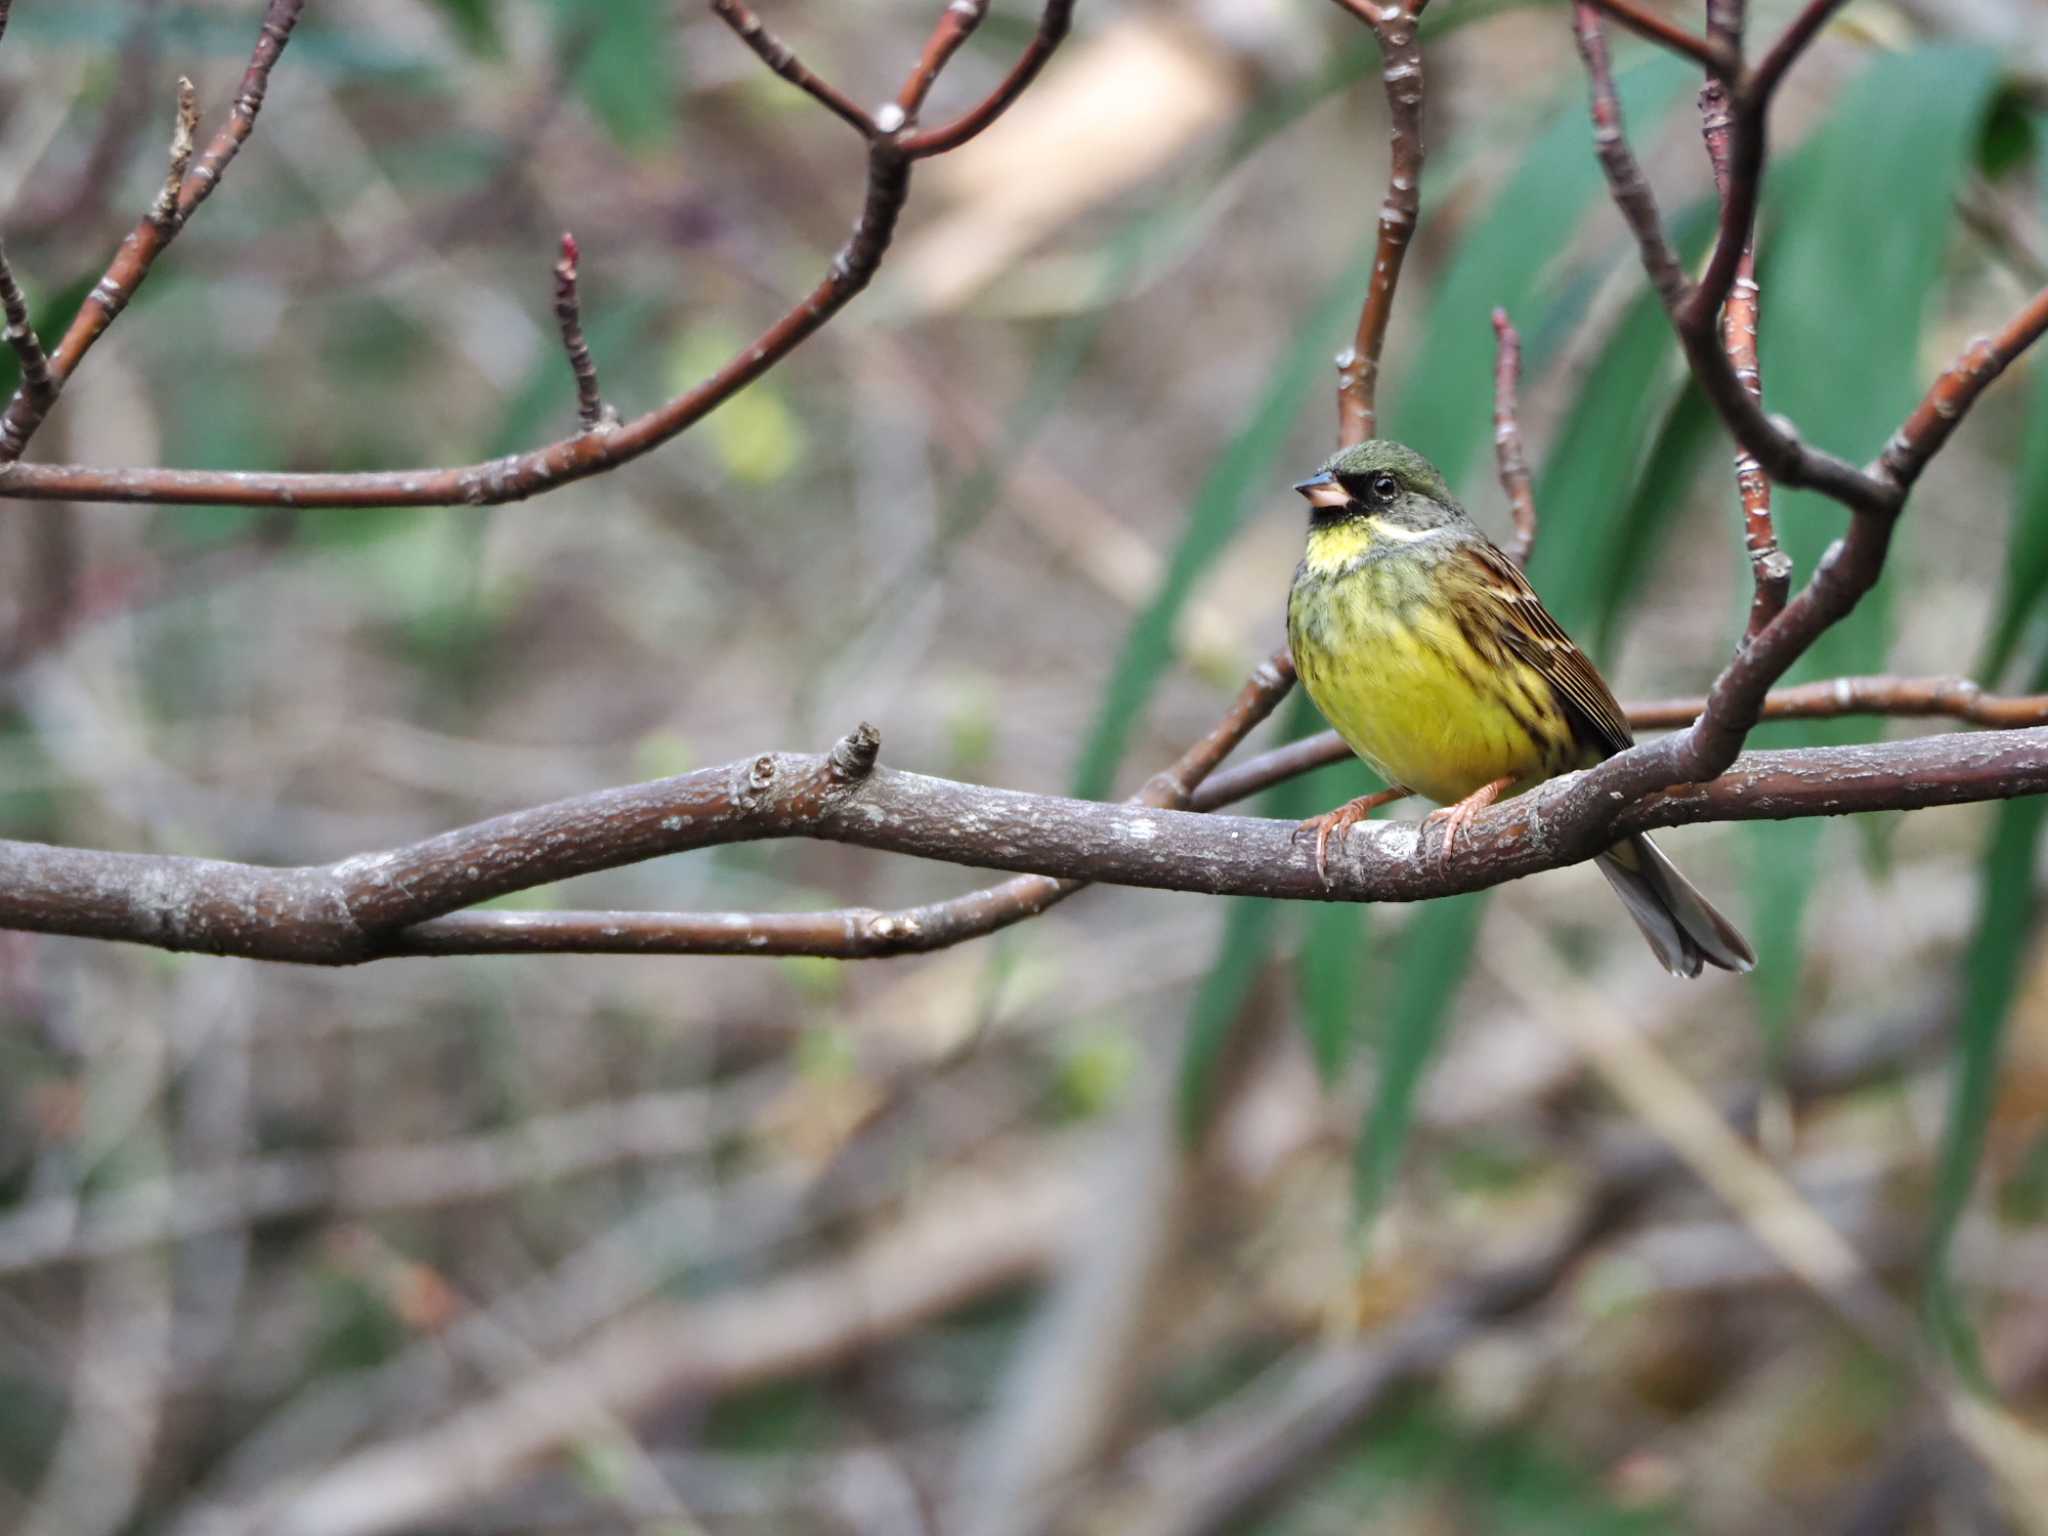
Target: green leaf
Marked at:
1992, 972
1443, 406
1684, 446
1240, 956
474, 21
628, 75
1247, 943
1329, 976
1431, 966
2009, 137
2026, 564
1862, 223
1240, 474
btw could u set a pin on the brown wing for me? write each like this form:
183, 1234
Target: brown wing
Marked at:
1541, 641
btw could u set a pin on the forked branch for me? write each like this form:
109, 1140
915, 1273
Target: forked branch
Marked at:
892, 148
1874, 496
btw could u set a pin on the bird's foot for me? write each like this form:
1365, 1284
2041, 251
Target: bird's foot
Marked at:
1454, 819
1335, 824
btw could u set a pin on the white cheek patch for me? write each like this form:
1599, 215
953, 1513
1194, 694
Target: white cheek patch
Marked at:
1382, 529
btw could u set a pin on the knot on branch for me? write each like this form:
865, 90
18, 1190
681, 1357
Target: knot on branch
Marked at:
853, 757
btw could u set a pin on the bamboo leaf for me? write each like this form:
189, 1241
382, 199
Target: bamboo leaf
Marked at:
1992, 972
1842, 358
1241, 474
2026, 565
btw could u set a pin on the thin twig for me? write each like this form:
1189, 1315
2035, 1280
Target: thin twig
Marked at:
1921, 435
164, 211
1358, 367
1712, 54
778, 56
956, 25
1507, 436
1770, 566
590, 407
1053, 22
1874, 496
36, 383
138, 253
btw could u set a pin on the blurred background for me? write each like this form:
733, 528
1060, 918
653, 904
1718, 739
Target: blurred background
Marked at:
1121, 1220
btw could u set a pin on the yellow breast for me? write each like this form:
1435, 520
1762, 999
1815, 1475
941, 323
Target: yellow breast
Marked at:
1413, 692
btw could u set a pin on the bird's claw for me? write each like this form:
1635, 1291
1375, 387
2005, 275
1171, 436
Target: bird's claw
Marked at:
1335, 825
1455, 819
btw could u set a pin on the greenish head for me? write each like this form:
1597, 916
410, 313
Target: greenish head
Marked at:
1381, 482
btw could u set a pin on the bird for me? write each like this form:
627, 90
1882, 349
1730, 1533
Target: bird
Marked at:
1426, 648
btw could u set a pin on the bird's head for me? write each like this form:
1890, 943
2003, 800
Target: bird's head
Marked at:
1378, 494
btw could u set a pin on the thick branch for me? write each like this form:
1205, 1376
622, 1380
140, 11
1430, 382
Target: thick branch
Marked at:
1397, 26
1897, 697
357, 909
588, 453
848, 933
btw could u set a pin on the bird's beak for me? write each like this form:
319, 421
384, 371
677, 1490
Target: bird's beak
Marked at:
1323, 491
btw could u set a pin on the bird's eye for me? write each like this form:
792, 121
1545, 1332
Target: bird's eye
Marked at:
1384, 488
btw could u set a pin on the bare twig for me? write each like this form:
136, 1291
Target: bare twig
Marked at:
590, 407
1712, 53
1052, 28
1874, 496
890, 157
1507, 437
164, 211
1397, 26
955, 26
1922, 434
778, 56
147, 240
1770, 566
36, 382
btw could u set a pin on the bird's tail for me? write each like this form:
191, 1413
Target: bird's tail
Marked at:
1681, 924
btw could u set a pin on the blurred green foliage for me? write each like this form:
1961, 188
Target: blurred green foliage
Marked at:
1874, 196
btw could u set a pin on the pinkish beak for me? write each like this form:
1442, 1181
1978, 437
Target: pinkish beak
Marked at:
1323, 492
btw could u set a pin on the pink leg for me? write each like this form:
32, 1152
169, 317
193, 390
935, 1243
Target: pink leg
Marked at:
1334, 824
1455, 818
